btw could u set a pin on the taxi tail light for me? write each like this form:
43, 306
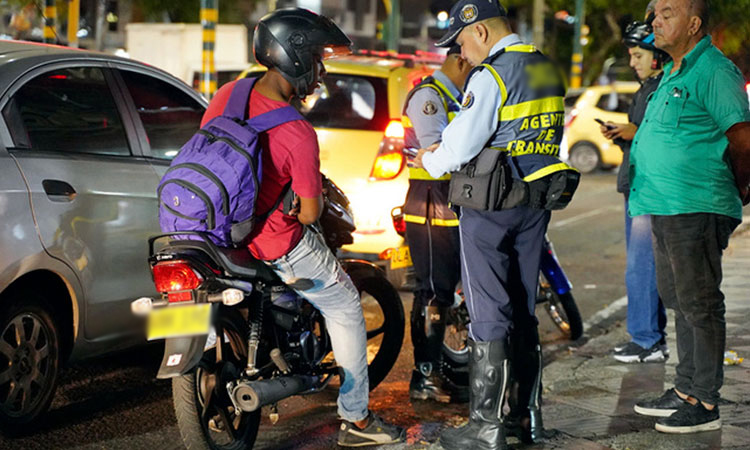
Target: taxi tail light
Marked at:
174, 276
390, 160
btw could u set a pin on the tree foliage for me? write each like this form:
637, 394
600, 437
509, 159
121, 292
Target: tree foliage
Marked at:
230, 11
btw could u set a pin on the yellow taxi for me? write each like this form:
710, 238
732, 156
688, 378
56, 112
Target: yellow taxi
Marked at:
583, 143
356, 113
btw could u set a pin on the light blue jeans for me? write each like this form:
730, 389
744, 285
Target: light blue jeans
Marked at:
646, 315
336, 297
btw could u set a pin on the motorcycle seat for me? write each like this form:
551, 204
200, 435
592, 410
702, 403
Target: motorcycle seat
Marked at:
236, 262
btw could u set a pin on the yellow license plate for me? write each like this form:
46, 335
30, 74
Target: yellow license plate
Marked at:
400, 257
177, 321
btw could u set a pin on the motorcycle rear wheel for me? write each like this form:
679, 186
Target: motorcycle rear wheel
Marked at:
205, 414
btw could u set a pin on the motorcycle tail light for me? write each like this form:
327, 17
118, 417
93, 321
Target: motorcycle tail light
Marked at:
399, 224
175, 276
390, 160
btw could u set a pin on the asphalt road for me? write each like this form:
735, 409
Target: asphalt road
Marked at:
116, 402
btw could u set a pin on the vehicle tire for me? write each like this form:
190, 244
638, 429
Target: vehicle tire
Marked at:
385, 323
563, 311
585, 157
456, 345
29, 360
190, 392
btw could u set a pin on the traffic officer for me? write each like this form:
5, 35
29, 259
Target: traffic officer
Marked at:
513, 104
432, 229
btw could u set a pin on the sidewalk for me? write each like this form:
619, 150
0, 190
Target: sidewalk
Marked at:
589, 397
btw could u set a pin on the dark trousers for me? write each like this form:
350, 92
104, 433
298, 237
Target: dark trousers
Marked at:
687, 250
500, 254
437, 266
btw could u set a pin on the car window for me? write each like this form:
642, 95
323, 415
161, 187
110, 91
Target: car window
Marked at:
615, 102
68, 111
346, 101
169, 115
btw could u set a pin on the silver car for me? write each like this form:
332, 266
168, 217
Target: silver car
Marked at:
84, 140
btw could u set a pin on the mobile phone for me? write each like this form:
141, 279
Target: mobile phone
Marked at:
410, 152
604, 124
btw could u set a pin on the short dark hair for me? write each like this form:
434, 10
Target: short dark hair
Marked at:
702, 9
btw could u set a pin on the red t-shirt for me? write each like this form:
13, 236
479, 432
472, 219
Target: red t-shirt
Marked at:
290, 152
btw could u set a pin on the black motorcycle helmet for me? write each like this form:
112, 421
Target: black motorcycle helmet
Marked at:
641, 34
290, 39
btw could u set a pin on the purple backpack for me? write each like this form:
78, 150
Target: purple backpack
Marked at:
212, 185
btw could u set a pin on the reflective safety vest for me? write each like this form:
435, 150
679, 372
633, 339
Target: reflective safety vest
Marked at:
532, 116
427, 197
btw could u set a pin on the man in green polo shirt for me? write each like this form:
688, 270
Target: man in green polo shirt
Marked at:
689, 171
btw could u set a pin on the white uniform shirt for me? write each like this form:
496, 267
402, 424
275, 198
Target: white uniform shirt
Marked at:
472, 128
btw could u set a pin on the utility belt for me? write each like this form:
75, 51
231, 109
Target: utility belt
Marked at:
487, 183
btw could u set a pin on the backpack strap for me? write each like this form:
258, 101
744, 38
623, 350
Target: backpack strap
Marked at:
236, 106
274, 118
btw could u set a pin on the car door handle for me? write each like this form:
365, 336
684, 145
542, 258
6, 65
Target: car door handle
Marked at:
59, 191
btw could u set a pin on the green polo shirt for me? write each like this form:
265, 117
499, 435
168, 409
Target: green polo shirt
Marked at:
679, 163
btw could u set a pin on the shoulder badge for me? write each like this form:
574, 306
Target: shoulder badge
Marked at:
468, 100
468, 13
429, 108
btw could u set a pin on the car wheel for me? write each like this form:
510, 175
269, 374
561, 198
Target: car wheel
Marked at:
585, 157
29, 361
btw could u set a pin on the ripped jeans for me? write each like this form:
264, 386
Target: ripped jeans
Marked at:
336, 297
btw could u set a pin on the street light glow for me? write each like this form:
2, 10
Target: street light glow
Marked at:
442, 16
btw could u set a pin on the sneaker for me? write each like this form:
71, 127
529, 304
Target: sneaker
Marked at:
664, 347
633, 353
621, 346
664, 406
690, 419
376, 432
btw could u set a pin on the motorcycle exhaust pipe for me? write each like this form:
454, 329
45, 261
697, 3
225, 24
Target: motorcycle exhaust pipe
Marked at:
249, 396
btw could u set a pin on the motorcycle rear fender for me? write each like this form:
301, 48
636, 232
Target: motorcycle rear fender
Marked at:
554, 273
360, 269
181, 355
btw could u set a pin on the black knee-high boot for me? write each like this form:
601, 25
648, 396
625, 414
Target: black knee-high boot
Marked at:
428, 381
488, 378
525, 395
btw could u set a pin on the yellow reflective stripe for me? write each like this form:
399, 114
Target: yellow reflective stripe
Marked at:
414, 219
543, 172
436, 222
406, 122
446, 92
500, 83
521, 48
532, 108
444, 222
421, 174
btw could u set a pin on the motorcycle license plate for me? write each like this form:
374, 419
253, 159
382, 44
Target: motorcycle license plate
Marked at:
400, 257
178, 321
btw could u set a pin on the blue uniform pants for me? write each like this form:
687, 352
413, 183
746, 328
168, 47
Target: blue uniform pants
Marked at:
500, 253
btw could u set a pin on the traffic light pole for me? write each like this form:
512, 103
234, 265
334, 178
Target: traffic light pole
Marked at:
74, 10
576, 67
50, 15
209, 19
393, 34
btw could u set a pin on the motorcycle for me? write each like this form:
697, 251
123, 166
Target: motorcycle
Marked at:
238, 338
554, 293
